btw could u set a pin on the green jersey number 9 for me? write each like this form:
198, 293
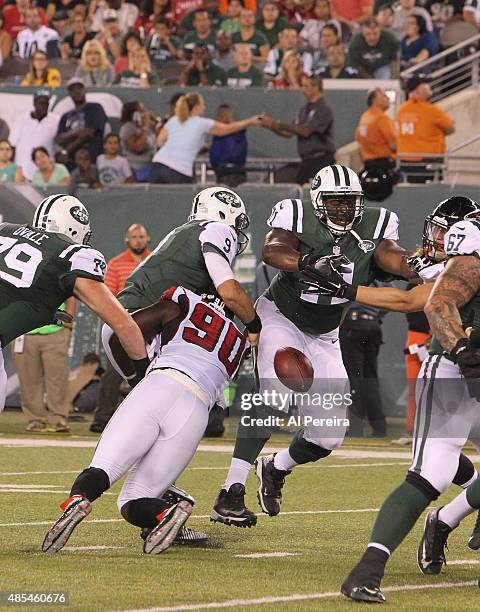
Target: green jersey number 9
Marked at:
18, 257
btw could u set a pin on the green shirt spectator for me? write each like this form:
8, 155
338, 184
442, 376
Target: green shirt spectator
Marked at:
271, 23
203, 32
250, 78
202, 71
249, 35
373, 50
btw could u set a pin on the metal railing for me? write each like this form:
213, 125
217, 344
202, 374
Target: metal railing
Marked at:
452, 70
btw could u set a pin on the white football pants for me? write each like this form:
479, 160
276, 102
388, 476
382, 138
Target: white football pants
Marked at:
446, 418
3, 381
154, 433
330, 376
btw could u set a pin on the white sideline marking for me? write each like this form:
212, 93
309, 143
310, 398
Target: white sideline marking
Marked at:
37, 473
29, 486
271, 554
464, 562
204, 516
75, 548
232, 603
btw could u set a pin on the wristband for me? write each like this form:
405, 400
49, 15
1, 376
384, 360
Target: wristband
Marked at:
349, 292
255, 325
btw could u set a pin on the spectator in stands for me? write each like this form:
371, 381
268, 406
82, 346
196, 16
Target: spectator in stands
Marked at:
81, 127
312, 29
60, 22
354, 12
35, 36
126, 12
181, 9
202, 71
224, 55
313, 128
244, 74
291, 11
404, 9
422, 128
65, 6
336, 67
417, 45
203, 34
113, 169
118, 270
287, 41
291, 72
6, 41
48, 172
150, 10
95, 70
111, 36
130, 43
139, 74
73, 44
85, 174
183, 136
385, 16
271, 23
228, 154
253, 38
471, 12
376, 133
444, 12
231, 24
40, 74
137, 137
211, 6
41, 361
329, 37
15, 17
31, 129
4, 130
374, 51
10, 171
163, 46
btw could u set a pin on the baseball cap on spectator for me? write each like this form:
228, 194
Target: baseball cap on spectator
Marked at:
415, 81
75, 81
42, 93
110, 15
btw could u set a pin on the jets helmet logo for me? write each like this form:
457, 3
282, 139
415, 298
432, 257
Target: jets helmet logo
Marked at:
316, 182
230, 199
80, 215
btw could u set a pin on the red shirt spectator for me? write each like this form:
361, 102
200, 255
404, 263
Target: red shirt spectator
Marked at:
14, 17
120, 267
352, 10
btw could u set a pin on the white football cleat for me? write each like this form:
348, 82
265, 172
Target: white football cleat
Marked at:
76, 508
170, 521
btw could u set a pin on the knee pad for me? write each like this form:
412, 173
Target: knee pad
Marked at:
420, 483
143, 512
466, 472
91, 483
303, 451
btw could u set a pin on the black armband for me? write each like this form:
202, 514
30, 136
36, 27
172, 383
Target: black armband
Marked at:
255, 325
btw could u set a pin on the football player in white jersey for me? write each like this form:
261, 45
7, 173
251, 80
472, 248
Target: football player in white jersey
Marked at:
156, 430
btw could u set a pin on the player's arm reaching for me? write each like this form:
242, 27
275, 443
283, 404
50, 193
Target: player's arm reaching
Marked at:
392, 258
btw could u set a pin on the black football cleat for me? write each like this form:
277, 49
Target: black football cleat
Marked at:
175, 494
363, 582
269, 492
185, 537
230, 508
170, 521
75, 508
474, 539
431, 551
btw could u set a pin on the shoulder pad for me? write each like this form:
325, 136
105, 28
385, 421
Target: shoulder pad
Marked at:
463, 238
87, 260
288, 215
222, 237
386, 223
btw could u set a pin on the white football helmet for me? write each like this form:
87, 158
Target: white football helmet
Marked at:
223, 205
337, 198
63, 214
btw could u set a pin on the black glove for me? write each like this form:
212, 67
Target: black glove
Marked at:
141, 367
466, 354
323, 276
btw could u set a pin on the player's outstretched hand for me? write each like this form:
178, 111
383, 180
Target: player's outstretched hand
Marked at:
322, 275
426, 269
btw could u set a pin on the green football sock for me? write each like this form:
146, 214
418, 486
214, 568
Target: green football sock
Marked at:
473, 494
250, 440
398, 514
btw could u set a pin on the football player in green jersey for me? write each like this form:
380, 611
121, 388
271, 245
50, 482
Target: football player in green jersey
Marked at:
448, 393
46, 262
335, 221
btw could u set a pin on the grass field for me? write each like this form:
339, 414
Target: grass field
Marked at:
327, 515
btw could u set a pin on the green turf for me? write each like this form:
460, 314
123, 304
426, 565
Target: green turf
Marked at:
124, 578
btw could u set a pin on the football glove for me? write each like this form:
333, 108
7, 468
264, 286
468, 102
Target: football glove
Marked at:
323, 276
424, 267
466, 354
141, 367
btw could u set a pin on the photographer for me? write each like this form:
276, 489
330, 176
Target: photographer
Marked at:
202, 71
137, 138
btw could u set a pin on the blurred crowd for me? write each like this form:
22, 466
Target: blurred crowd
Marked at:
234, 43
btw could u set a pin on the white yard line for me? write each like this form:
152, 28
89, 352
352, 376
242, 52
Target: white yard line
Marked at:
464, 562
268, 554
82, 548
232, 603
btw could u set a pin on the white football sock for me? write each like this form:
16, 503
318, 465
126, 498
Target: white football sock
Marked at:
456, 510
238, 472
283, 461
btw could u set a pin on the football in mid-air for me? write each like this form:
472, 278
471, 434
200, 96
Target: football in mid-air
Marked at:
293, 368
